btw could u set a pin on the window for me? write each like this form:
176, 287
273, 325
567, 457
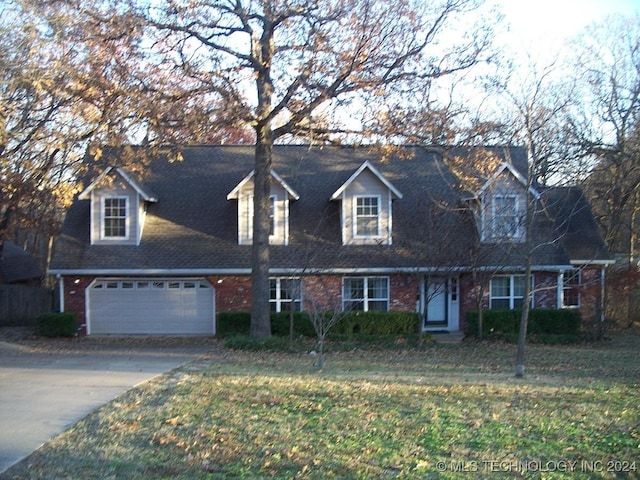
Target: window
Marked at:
507, 292
285, 294
505, 218
115, 217
367, 217
571, 289
272, 215
365, 294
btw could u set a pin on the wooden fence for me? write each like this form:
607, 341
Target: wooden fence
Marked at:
20, 305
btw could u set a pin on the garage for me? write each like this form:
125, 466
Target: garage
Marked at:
150, 306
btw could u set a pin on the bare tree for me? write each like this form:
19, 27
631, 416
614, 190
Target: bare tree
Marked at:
274, 65
607, 127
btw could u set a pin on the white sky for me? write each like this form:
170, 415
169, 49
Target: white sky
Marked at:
543, 24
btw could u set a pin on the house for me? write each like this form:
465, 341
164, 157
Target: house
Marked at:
350, 229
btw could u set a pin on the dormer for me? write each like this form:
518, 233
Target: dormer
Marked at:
502, 206
281, 194
118, 208
366, 207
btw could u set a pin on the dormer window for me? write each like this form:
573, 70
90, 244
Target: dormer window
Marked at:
281, 195
367, 216
118, 206
502, 206
114, 224
366, 207
273, 219
506, 220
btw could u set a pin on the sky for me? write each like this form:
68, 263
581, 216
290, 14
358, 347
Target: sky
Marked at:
543, 24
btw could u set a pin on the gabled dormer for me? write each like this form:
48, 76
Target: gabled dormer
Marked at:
281, 195
502, 206
366, 207
118, 208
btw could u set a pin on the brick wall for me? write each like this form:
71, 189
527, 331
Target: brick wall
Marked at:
75, 298
233, 293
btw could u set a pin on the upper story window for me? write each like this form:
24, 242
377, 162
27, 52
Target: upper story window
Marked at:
367, 216
114, 220
273, 218
506, 221
366, 207
118, 208
281, 195
365, 294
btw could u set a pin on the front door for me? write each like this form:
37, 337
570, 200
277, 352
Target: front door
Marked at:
436, 302
440, 303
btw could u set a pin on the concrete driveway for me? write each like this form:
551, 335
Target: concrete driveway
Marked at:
46, 387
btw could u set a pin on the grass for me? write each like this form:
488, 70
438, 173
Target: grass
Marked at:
440, 411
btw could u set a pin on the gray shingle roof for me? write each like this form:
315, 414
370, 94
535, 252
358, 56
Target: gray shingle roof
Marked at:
194, 227
16, 265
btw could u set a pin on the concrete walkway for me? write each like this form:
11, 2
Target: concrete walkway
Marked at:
44, 391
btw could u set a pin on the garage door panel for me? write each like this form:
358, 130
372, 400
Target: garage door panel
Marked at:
151, 307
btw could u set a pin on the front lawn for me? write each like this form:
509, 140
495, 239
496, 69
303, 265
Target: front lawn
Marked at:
441, 411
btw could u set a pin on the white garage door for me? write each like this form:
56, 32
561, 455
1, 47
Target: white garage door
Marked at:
151, 307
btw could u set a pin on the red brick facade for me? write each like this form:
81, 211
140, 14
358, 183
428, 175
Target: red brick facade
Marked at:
324, 292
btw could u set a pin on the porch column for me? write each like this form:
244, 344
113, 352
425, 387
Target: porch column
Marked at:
560, 288
602, 292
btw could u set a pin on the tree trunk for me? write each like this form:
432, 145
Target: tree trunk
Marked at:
526, 306
260, 313
262, 51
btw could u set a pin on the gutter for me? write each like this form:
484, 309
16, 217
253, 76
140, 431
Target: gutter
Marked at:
299, 271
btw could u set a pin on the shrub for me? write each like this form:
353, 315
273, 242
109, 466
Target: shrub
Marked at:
57, 325
239, 323
301, 324
377, 323
233, 323
545, 326
351, 323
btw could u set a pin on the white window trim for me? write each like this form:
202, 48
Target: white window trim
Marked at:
354, 217
366, 299
127, 219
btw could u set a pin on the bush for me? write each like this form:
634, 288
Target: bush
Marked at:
544, 326
377, 323
57, 325
351, 323
233, 323
301, 324
239, 323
